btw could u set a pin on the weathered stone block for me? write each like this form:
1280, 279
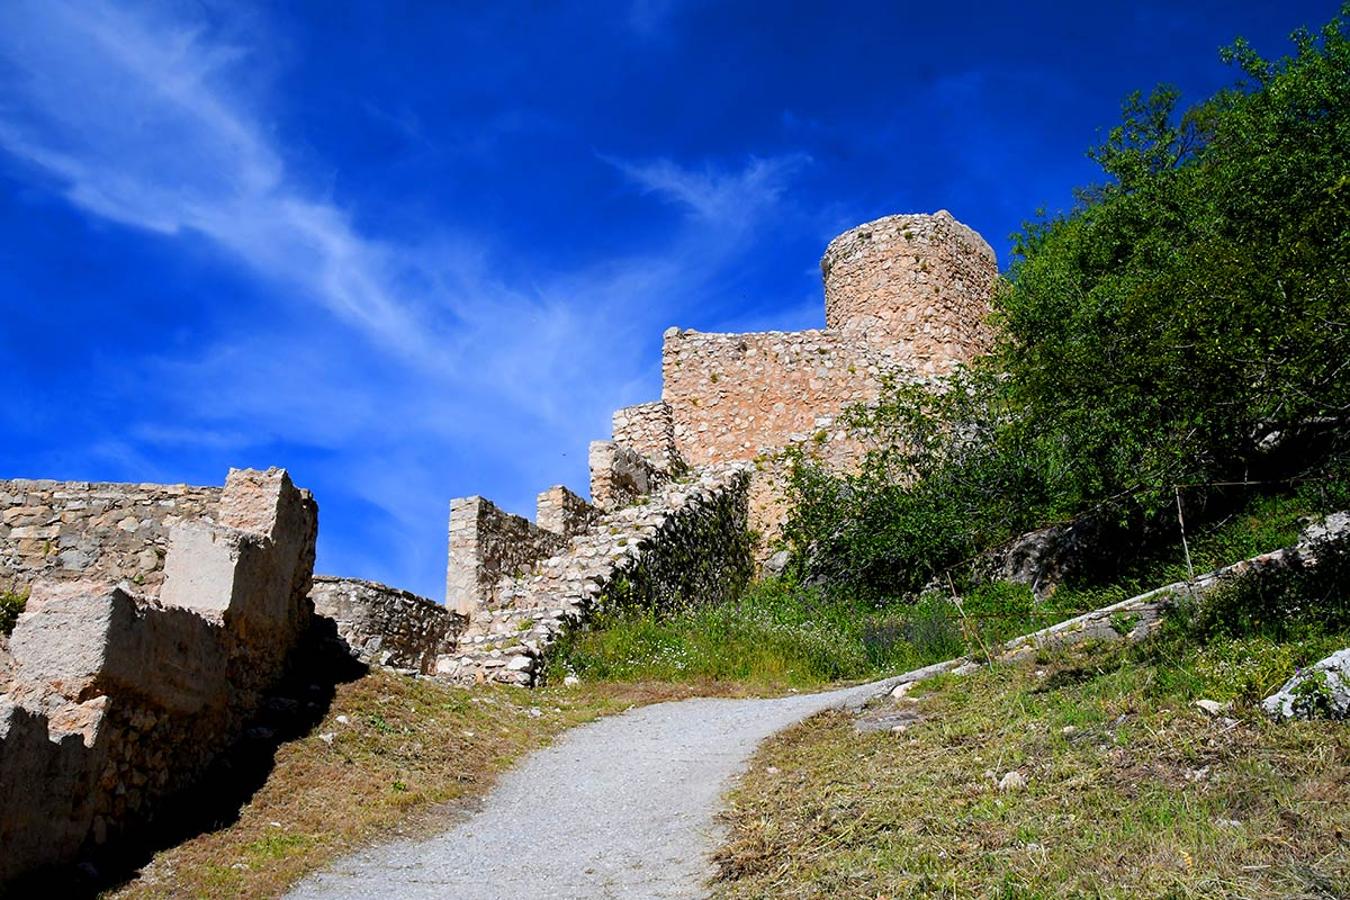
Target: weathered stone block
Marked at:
562, 512
113, 700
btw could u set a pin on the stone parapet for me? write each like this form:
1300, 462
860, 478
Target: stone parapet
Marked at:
386, 626
562, 512
71, 530
620, 476
487, 545
649, 429
114, 701
686, 545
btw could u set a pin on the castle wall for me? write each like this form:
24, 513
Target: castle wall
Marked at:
907, 297
686, 545
110, 532
920, 283
487, 545
620, 475
649, 429
737, 396
562, 512
386, 626
114, 702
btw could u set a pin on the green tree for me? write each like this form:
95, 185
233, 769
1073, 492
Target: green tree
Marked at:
1190, 306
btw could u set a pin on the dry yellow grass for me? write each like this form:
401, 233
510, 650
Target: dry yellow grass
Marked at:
411, 756
1131, 792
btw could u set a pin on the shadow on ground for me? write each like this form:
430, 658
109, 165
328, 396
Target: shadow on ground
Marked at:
289, 712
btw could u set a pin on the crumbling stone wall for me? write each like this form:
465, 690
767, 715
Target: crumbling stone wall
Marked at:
921, 284
686, 544
649, 429
907, 297
386, 626
738, 396
77, 530
487, 544
562, 512
620, 475
114, 701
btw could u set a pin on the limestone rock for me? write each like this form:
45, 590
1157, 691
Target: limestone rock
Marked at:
1322, 691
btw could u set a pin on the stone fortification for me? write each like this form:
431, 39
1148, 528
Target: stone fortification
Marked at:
907, 297
918, 284
487, 544
562, 512
620, 475
685, 544
649, 430
114, 700
80, 530
739, 396
385, 626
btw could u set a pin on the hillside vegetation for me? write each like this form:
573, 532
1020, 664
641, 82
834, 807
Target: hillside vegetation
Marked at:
1184, 327
1175, 353
780, 634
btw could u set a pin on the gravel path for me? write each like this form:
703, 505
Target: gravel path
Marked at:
623, 807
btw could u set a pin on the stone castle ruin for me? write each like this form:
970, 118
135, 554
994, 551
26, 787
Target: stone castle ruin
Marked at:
158, 616
685, 477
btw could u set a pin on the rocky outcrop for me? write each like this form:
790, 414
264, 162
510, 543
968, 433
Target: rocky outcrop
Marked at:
1139, 616
1322, 691
385, 626
116, 700
1045, 558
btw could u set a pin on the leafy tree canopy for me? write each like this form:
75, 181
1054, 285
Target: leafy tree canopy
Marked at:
1188, 308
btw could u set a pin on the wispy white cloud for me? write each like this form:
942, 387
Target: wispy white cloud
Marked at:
649, 17
131, 114
425, 356
728, 201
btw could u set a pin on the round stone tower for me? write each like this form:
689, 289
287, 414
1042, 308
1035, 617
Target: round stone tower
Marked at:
919, 283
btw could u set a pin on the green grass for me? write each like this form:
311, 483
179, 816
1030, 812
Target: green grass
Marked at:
1130, 789
780, 635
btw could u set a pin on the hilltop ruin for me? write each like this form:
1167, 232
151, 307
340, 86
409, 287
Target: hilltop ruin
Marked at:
906, 296
159, 615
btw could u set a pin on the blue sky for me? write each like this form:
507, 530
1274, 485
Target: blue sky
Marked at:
416, 250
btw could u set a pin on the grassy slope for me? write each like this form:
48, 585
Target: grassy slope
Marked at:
779, 635
1131, 790
413, 755
415, 752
